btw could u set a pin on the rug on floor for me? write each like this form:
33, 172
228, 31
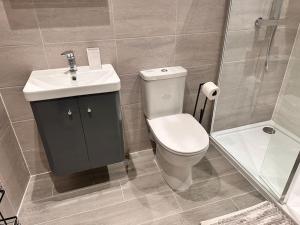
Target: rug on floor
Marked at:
264, 213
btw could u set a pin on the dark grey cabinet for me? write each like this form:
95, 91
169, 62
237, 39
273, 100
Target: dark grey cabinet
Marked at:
80, 133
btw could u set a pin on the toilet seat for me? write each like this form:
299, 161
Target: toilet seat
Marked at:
180, 134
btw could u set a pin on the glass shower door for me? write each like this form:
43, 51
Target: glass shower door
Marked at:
279, 161
282, 155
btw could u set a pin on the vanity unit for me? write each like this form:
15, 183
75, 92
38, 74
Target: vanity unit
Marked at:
79, 121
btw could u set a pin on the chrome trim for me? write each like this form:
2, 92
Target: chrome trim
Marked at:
283, 199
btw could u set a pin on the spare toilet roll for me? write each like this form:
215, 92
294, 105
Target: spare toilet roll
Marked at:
210, 90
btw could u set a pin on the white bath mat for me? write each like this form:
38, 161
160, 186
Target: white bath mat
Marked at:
264, 213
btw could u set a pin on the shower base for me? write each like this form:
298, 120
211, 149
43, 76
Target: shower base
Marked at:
268, 157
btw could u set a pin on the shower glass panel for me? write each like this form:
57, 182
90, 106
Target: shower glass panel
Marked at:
253, 77
283, 149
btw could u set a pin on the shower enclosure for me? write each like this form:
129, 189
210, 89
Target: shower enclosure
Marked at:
256, 118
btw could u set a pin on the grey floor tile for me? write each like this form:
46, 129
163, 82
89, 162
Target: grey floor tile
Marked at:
70, 203
142, 185
248, 200
38, 189
170, 220
131, 212
70, 183
141, 163
212, 152
213, 190
195, 216
210, 168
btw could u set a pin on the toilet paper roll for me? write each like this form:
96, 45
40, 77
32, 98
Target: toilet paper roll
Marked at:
210, 90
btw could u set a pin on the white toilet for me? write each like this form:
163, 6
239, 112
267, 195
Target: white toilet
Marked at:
181, 141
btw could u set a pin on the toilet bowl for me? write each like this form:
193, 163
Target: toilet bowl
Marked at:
181, 143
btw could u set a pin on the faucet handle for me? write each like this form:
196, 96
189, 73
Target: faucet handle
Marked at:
69, 54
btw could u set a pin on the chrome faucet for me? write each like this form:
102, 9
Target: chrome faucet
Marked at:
71, 60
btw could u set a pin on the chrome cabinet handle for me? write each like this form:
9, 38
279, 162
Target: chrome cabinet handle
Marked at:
89, 110
69, 112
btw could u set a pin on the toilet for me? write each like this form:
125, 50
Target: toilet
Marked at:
181, 141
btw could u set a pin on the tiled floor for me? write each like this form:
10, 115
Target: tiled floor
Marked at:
138, 196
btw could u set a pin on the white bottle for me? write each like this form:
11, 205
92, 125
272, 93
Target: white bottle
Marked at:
94, 58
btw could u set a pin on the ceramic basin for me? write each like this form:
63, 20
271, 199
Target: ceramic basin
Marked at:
58, 83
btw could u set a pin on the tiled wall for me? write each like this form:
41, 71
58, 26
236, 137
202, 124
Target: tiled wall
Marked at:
248, 92
14, 174
288, 106
131, 34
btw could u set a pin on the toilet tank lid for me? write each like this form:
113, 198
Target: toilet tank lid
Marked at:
163, 73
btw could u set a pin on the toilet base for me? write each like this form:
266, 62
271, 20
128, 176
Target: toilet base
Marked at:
177, 176
179, 179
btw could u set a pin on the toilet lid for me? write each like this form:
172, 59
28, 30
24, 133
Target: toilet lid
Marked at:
180, 133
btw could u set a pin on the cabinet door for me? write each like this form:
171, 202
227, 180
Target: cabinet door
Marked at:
60, 127
101, 119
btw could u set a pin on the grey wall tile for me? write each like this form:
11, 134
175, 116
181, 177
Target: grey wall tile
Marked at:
68, 21
136, 18
243, 13
53, 52
16, 64
198, 49
18, 108
14, 172
244, 45
133, 117
137, 139
37, 161
201, 16
18, 23
135, 55
292, 16
130, 89
258, 91
28, 135
251, 44
6, 208
287, 108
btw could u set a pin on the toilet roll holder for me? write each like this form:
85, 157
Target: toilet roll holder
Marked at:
204, 106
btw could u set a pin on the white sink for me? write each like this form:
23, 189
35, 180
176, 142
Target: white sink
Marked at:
58, 83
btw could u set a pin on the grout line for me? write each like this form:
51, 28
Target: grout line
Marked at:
177, 202
91, 210
107, 39
235, 205
35, 175
123, 196
159, 218
176, 31
21, 121
23, 198
41, 36
15, 134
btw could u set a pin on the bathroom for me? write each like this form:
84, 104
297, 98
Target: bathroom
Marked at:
81, 133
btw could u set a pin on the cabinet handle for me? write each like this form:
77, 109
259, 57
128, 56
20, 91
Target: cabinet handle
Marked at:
89, 110
69, 112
